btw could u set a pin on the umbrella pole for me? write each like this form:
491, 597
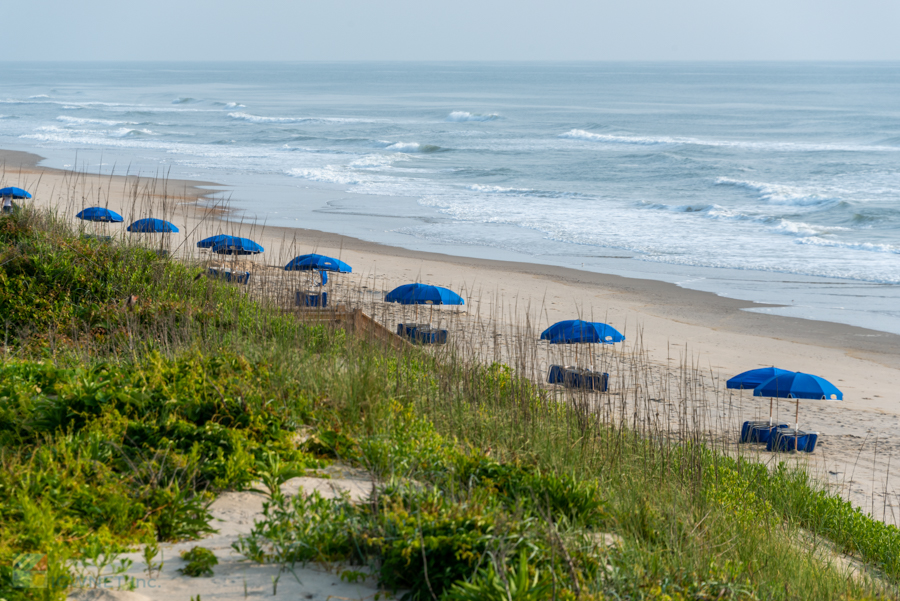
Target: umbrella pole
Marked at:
797, 416
771, 403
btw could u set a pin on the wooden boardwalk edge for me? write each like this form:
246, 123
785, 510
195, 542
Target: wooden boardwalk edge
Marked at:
356, 320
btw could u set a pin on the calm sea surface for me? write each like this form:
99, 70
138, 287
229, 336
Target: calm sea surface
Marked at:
769, 182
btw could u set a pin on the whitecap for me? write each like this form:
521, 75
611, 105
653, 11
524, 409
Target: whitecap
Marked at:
772, 146
779, 194
259, 119
86, 121
125, 132
462, 116
866, 246
580, 134
329, 174
498, 189
373, 161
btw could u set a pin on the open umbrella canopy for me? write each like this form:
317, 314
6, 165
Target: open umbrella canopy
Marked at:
213, 240
315, 262
576, 330
237, 246
798, 385
100, 214
152, 226
423, 294
14, 192
754, 377
219, 239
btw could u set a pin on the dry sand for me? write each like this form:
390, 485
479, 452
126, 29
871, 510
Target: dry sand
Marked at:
674, 326
235, 577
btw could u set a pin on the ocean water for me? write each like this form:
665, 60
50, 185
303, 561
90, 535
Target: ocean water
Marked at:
769, 182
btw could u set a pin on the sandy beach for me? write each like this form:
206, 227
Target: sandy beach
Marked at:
673, 326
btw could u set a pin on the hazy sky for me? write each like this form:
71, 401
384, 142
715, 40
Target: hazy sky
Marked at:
448, 30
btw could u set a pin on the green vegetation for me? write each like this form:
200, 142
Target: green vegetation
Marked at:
200, 562
119, 424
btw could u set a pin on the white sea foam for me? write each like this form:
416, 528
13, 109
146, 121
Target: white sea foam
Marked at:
374, 161
85, 121
866, 246
462, 116
799, 228
404, 147
773, 146
38, 96
580, 134
498, 189
779, 194
125, 132
329, 175
259, 119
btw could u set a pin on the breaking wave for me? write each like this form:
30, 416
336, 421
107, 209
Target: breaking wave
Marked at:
130, 133
259, 119
580, 134
778, 193
462, 116
867, 246
85, 121
409, 147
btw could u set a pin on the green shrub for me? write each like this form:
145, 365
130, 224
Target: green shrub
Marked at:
200, 562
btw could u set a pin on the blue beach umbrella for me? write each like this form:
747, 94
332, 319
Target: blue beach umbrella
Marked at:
320, 263
213, 240
314, 262
423, 294
219, 239
749, 380
14, 192
237, 246
575, 330
152, 226
798, 386
100, 214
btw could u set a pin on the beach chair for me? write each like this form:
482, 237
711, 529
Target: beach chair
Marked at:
308, 298
422, 333
236, 277
758, 431
574, 377
789, 439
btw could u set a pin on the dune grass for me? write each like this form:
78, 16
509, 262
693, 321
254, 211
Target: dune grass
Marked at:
120, 422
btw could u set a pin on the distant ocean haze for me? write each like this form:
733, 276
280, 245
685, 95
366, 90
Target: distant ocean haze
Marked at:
766, 168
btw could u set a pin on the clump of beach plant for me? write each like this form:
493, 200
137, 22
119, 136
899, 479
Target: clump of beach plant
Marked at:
200, 562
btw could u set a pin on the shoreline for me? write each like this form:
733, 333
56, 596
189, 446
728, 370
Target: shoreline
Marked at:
658, 298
